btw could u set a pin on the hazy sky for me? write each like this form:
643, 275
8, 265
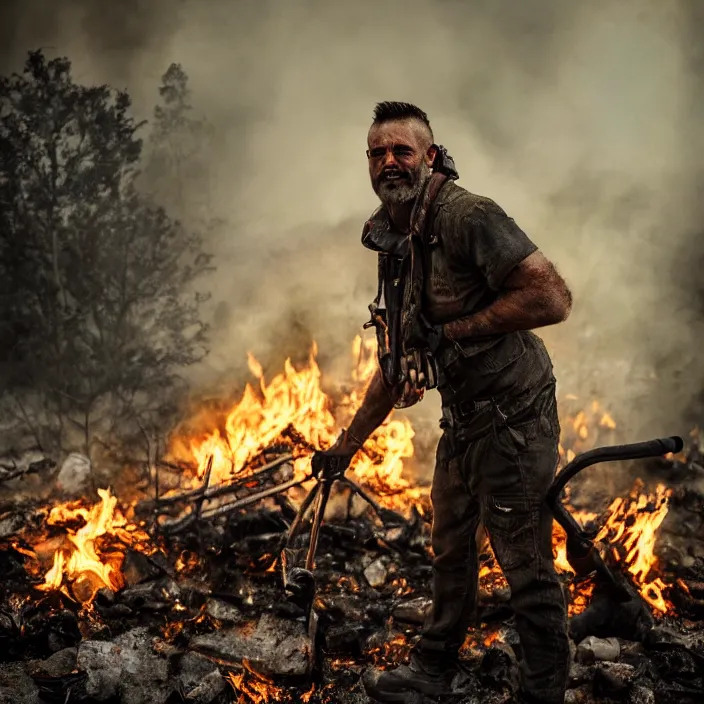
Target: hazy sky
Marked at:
582, 119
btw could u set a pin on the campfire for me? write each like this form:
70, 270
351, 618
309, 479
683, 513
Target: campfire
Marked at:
173, 593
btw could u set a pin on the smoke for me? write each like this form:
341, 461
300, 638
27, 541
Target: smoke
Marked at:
581, 120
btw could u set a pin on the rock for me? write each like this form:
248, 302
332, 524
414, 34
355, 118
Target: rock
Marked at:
640, 694
580, 674
135, 597
138, 568
593, 649
223, 611
664, 636
413, 611
578, 696
272, 646
126, 667
11, 525
57, 665
209, 688
348, 606
16, 686
376, 574
200, 680
344, 639
613, 679
75, 474
192, 669
498, 669
118, 611
105, 597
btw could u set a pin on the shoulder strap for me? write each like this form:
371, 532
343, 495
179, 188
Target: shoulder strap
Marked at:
419, 237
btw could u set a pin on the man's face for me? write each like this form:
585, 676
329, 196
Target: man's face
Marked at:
400, 156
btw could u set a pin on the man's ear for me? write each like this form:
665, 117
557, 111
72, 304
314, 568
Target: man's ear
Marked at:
430, 154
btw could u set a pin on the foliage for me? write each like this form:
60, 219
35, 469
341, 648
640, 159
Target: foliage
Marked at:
97, 306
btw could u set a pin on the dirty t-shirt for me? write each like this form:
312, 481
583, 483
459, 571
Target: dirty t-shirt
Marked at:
473, 247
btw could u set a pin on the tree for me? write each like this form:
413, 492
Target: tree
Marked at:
178, 168
95, 278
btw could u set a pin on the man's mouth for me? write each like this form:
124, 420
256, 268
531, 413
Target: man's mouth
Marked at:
393, 176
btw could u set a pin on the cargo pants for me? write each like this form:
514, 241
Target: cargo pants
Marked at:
501, 479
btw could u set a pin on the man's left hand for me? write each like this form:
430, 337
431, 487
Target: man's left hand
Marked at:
337, 458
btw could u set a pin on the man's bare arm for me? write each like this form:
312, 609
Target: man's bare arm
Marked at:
377, 404
534, 295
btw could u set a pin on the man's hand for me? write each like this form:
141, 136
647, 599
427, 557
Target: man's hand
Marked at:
335, 460
418, 373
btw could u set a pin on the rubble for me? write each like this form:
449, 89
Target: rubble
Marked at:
75, 475
272, 646
16, 685
593, 649
126, 667
413, 611
376, 574
223, 611
204, 619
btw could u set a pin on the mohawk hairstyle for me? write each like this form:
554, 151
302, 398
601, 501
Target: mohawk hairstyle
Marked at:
390, 110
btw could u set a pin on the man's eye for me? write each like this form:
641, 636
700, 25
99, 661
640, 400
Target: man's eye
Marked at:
403, 151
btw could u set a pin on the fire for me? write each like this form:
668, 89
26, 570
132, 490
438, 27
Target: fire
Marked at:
254, 688
392, 651
583, 429
78, 561
294, 400
293, 408
631, 531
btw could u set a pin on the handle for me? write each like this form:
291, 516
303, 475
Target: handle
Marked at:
634, 451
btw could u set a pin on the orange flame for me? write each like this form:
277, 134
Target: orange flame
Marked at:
295, 399
631, 531
79, 561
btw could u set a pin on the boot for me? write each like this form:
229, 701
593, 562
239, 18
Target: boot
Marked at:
418, 682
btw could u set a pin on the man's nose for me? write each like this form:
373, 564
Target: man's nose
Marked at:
389, 160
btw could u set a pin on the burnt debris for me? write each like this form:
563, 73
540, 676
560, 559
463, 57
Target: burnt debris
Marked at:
202, 615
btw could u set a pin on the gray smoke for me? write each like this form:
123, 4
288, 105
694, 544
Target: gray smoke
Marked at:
581, 119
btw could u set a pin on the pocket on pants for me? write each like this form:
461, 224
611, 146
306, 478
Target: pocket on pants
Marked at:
509, 522
509, 441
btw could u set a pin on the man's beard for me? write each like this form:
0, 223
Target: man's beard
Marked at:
405, 189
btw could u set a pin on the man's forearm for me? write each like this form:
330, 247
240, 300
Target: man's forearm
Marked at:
535, 295
512, 311
377, 404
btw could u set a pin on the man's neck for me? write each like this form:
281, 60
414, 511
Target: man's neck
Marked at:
400, 214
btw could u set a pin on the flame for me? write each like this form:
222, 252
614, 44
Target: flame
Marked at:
294, 405
631, 532
253, 687
294, 400
78, 561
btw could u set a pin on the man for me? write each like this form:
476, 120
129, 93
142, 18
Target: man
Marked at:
484, 286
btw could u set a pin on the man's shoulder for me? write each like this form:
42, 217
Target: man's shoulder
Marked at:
458, 202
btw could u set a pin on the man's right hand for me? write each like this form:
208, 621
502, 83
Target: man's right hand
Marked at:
418, 373
335, 460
